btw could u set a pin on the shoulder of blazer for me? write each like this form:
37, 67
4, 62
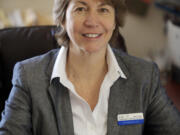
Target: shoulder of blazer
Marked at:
132, 65
40, 66
41, 58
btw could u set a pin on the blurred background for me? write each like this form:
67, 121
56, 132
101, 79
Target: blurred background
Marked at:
151, 32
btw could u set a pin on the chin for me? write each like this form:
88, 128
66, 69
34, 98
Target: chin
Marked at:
94, 48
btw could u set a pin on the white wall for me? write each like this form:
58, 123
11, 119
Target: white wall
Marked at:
145, 34
43, 6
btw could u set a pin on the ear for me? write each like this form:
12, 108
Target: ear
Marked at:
63, 24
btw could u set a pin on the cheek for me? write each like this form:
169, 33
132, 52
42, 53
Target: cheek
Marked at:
73, 23
109, 24
109, 27
69, 26
73, 28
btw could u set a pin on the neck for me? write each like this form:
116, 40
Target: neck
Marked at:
83, 65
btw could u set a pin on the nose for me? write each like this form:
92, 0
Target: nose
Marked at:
91, 20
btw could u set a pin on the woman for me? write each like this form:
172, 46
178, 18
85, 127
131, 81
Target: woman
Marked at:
86, 87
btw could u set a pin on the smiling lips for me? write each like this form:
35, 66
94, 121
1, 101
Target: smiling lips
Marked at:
92, 35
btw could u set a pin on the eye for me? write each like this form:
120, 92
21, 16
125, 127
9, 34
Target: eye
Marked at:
104, 10
80, 9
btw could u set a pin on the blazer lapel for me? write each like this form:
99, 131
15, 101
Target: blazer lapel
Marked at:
62, 107
123, 99
117, 105
59, 96
118, 99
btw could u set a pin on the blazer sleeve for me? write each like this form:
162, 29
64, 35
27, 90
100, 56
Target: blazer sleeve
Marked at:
16, 117
162, 117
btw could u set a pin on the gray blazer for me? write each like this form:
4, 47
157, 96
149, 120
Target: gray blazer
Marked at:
37, 106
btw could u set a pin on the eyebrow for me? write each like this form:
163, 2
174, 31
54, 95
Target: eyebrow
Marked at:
100, 5
84, 3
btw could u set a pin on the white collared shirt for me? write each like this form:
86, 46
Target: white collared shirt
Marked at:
86, 121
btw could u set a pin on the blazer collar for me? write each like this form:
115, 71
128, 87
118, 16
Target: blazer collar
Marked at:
52, 59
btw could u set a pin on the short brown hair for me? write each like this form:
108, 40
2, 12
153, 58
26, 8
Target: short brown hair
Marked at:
59, 14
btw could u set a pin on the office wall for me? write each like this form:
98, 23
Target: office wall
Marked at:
145, 35
43, 6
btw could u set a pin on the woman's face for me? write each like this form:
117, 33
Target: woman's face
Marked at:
89, 24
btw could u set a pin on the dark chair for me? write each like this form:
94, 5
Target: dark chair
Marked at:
17, 44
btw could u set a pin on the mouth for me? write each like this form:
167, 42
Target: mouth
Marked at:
92, 35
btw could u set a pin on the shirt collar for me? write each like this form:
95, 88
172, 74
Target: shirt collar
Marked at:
59, 69
113, 65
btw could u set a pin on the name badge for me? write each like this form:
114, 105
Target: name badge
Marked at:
130, 119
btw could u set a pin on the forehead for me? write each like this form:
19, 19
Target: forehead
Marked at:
107, 2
